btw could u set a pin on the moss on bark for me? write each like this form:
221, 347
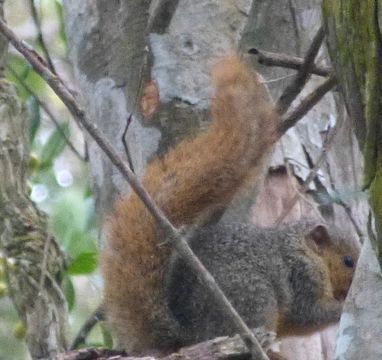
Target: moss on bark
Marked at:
355, 46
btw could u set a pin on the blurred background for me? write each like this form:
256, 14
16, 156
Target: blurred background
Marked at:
59, 181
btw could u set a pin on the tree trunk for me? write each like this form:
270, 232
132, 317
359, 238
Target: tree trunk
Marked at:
354, 39
33, 261
107, 41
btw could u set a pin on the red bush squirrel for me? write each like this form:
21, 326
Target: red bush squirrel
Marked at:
152, 300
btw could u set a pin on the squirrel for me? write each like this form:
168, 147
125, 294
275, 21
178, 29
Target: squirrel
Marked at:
285, 280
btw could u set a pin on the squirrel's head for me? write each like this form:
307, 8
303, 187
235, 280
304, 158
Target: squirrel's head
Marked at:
339, 256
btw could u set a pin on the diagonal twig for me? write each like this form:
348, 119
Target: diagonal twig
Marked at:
306, 104
173, 234
96, 316
286, 61
291, 91
304, 187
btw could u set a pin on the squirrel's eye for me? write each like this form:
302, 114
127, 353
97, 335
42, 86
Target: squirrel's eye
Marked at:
348, 261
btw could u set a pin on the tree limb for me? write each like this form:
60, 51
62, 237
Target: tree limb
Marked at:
285, 61
221, 348
33, 262
292, 91
34, 279
306, 104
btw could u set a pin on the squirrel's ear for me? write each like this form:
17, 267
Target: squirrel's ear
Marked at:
320, 236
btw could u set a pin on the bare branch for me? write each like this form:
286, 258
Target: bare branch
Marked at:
94, 318
173, 234
306, 104
126, 145
285, 61
291, 92
221, 348
304, 187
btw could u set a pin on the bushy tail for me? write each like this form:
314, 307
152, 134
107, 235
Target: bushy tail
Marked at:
196, 177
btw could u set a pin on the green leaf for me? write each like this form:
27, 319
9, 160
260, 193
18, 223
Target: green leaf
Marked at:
34, 109
70, 292
106, 334
26, 75
81, 242
84, 263
71, 225
54, 146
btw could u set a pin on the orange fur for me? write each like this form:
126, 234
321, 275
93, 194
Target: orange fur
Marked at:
196, 177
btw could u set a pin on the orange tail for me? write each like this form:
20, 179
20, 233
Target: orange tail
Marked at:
197, 176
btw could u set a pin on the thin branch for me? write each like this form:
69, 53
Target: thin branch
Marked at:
40, 36
285, 61
307, 104
173, 234
94, 318
270, 81
292, 91
125, 143
47, 110
313, 173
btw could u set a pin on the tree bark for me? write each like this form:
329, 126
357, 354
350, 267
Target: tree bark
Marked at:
107, 41
354, 41
221, 348
33, 261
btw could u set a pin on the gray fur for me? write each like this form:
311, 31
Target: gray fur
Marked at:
261, 271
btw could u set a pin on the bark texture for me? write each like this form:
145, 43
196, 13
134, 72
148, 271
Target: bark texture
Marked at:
34, 264
107, 42
221, 348
354, 40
